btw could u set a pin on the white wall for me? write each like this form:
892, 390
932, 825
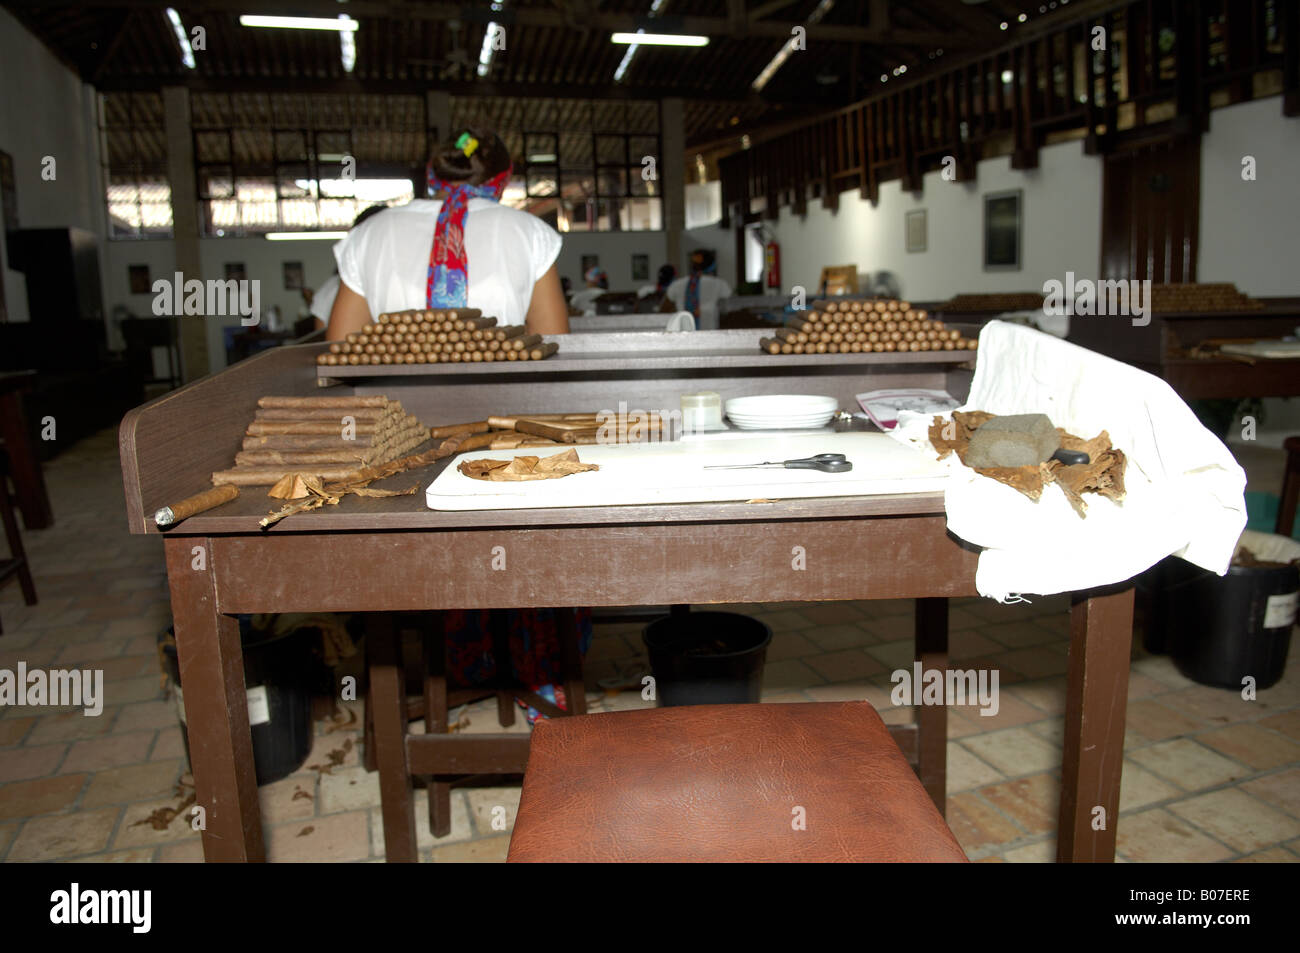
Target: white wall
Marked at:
1062, 229
1250, 231
263, 261
44, 112
615, 250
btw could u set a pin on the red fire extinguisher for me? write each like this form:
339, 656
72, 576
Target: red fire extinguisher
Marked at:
772, 262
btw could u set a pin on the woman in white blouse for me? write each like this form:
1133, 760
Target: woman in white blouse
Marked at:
460, 248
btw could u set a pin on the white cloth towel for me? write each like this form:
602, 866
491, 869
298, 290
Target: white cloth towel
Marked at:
1185, 492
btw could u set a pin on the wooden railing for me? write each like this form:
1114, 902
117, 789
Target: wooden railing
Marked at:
1192, 54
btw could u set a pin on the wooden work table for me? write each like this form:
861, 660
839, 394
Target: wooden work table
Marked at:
384, 555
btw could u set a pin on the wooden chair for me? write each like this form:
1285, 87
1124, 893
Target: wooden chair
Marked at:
438, 756
733, 783
16, 564
1286, 506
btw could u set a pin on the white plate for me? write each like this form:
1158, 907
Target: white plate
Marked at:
769, 424
754, 418
782, 405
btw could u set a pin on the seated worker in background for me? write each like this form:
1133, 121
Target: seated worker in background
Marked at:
462, 249
458, 249
597, 284
321, 302
700, 293
650, 297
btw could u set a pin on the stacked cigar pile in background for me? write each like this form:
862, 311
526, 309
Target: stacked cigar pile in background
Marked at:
329, 437
856, 327
993, 303
454, 336
1193, 297
522, 431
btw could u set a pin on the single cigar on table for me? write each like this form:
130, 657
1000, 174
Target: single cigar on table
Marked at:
266, 476
770, 345
270, 458
542, 351
193, 505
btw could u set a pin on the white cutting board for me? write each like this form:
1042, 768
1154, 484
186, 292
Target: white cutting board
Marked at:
673, 472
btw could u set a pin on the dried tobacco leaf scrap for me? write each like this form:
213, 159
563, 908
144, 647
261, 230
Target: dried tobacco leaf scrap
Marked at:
526, 468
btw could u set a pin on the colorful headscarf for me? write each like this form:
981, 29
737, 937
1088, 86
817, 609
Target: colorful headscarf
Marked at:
448, 285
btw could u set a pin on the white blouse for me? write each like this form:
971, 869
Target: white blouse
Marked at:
385, 259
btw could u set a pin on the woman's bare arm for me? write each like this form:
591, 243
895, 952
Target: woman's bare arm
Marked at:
349, 314
548, 313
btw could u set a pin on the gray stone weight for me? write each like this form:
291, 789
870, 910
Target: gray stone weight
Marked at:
1016, 440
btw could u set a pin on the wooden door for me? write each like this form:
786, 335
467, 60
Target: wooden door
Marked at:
1151, 199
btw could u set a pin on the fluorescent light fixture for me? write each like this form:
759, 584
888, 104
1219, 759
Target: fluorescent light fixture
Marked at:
347, 42
626, 61
542, 157
660, 39
298, 23
783, 54
183, 38
486, 52
305, 236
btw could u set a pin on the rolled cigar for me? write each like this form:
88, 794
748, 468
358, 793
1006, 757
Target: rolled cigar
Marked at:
266, 458
503, 334
461, 313
356, 400
542, 351
192, 505
265, 428
478, 426
524, 341
359, 411
265, 476
577, 436
304, 442
471, 323
770, 345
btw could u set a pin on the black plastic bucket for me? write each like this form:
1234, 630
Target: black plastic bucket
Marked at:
277, 676
707, 658
1220, 629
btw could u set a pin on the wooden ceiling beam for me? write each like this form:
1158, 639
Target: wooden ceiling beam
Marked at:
541, 17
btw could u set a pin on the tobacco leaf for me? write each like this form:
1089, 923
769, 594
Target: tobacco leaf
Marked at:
367, 491
289, 487
1103, 474
527, 468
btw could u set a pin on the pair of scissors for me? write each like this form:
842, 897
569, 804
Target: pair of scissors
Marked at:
826, 462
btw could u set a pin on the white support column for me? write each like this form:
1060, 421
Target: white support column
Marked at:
191, 331
672, 177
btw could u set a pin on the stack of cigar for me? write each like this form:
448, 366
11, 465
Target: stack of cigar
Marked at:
994, 303
1192, 297
452, 335
328, 437
862, 327
522, 431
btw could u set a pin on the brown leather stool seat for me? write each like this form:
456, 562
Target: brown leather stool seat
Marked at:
725, 783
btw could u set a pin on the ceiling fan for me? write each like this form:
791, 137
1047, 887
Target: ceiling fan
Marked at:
456, 61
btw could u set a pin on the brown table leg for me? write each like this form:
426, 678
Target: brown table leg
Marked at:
216, 707
932, 720
388, 701
24, 468
1101, 637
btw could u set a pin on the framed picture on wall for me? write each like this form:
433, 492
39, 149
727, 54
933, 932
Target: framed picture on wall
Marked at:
235, 271
293, 276
1003, 214
640, 267
914, 235
137, 277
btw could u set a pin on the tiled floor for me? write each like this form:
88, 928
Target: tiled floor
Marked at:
1207, 776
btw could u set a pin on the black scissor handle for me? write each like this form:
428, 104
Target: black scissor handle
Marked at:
826, 462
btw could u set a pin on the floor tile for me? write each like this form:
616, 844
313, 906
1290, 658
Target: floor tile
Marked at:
1191, 766
1242, 822
63, 835
47, 795
1015, 751
1157, 836
337, 838
1253, 745
136, 782
1030, 802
